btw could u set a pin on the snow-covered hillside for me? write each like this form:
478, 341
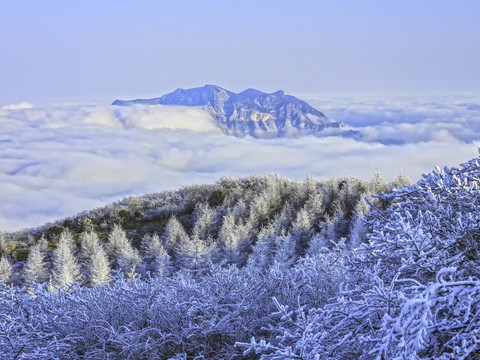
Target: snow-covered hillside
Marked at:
254, 268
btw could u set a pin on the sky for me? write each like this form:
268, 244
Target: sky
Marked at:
57, 51
403, 75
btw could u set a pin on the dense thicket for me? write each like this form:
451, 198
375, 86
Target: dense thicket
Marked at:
262, 267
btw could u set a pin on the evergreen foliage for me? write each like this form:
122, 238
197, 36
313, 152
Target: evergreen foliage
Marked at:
95, 264
5, 269
121, 253
156, 260
5, 244
65, 266
35, 270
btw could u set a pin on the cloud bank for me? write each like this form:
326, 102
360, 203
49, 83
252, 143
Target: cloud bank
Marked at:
58, 161
22, 105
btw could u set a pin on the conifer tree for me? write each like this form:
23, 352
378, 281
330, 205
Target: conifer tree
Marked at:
174, 232
98, 268
285, 252
89, 243
264, 206
401, 180
121, 253
263, 251
317, 244
155, 258
95, 263
35, 270
205, 226
309, 186
5, 269
302, 231
192, 254
172, 237
234, 240
240, 210
315, 208
5, 244
43, 244
65, 266
378, 185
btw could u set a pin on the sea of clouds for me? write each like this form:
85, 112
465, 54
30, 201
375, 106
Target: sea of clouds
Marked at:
57, 161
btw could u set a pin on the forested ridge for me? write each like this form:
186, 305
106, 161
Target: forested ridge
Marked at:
262, 267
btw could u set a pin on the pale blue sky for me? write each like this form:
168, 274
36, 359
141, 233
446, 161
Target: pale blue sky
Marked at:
90, 50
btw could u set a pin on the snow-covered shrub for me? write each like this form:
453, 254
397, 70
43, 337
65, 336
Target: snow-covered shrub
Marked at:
413, 290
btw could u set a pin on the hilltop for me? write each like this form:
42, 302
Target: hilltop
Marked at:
250, 112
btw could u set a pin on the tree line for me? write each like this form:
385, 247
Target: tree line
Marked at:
250, 221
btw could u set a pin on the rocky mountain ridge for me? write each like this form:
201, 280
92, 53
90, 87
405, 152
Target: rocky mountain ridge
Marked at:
250, 112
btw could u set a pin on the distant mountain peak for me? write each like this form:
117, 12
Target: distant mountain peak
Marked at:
251, 92
250, 112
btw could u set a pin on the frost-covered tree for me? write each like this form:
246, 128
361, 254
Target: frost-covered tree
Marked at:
95, 264
234, 240
123, 256
98, 268
5, 244
334, 227
378, 185
401, 180
35, 270
302, 232
240, 210
174, 232
315, 208
65, 266
309, 187
205, 224
5, 269
285, 251
263, 251
192, 254
267, 203
89, 243
156, 260
357, 232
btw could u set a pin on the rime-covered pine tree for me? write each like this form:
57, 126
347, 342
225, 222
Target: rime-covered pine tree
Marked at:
155, 258
65, 266
233, 239
5, 269
121, 252
285, 251
95, 263
204, 227
35, 270
89, 243
172, 237
192, 254
302, 232
98, 269
263, 251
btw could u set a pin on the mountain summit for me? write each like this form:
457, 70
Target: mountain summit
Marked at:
251, 112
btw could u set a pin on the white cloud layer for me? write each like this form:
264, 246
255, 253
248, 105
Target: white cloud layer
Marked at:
22, 105
58, 161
